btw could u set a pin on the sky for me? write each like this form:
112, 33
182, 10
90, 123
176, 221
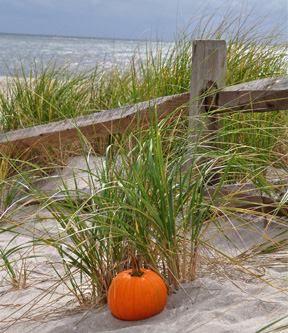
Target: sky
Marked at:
132, 19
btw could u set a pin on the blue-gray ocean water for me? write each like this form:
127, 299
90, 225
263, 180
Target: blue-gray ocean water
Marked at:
21, 51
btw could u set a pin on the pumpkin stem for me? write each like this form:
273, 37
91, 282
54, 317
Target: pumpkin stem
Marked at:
136, 271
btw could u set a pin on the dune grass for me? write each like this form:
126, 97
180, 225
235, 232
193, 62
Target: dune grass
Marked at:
51, 93
150, 199
146, 202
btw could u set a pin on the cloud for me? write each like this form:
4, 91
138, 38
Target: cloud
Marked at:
125, 18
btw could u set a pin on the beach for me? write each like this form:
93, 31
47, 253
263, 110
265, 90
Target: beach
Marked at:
224, 298
143, 185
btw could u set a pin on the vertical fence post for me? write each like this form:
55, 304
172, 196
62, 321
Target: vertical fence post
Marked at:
208, 72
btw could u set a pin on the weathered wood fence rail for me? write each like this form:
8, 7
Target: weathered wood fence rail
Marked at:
207, 94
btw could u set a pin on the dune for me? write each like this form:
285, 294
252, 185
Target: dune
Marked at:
223, 299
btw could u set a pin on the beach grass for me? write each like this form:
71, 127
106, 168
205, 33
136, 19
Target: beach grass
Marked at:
150, 199
48, 93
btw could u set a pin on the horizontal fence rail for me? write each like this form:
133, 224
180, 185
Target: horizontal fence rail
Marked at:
99, 124
255, 96
207, 95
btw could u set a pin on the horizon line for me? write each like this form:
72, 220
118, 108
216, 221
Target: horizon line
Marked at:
83, 37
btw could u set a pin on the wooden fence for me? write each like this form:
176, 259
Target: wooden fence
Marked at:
208, 74
207, 94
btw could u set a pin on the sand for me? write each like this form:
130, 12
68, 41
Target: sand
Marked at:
4, 82
200, 307
222, 299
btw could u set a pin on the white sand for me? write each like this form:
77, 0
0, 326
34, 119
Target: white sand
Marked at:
4, 81
221, 300
203, 306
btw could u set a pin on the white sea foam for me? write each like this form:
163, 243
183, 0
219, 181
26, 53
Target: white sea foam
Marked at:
24, 50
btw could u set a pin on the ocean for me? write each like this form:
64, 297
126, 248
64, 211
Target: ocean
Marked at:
79, 53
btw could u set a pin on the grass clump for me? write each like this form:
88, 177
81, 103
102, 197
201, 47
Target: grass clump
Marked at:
49, 93
151, 199
146, 202
17, 275
142, 205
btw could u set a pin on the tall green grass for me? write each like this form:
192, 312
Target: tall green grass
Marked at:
50, 93
149, 200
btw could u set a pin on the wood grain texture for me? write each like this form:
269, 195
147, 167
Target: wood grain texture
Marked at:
208, 72
100, 124
255, 96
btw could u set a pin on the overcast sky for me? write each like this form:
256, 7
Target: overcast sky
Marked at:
138, 19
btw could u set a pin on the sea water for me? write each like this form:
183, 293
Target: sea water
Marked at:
22, 52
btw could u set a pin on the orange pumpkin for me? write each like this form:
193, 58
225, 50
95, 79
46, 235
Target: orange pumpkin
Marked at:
137, 294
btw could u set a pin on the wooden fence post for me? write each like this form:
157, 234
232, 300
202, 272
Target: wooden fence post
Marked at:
208, 72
